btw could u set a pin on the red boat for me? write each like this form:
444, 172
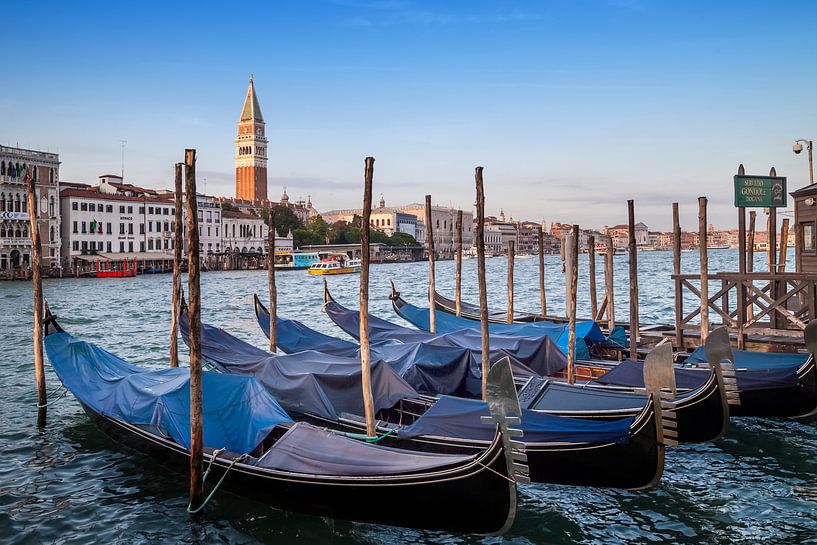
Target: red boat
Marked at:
107, 269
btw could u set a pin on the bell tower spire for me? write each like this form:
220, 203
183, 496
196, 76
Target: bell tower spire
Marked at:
251, 150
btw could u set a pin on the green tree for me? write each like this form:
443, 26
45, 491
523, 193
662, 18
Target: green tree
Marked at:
403, 239
285, 219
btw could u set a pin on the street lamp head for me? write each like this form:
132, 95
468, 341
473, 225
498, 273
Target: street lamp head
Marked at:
797, 147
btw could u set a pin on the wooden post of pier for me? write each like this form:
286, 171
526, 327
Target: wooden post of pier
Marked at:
178, 244
572, 256
458, 289
273, 291
773, 265
609, 288
510, 280
37, 281
542, 295
702, 244
676, 269
479, 235
365, 357
194, 310
750, 256
741, 288
633, 280
591, 271
784, 245
432, 315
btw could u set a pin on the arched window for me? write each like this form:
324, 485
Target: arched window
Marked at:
2, 168
34, 173
17, 203
17, 233
51, 237
25, 232
2, 202
51, 175
3, 232
25, 205
51, 208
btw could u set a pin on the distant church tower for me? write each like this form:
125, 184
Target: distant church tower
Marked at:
251, 151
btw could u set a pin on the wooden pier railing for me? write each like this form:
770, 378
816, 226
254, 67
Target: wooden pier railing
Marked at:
761, 303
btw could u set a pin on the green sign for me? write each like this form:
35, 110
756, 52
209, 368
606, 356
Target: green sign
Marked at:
760, 191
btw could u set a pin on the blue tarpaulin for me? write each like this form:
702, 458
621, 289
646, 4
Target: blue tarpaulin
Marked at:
558, 333
745, 359
238, 412
457, 417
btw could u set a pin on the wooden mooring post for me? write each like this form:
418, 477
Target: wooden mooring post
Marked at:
609, 287
510, 280
365, 357
194, 312
633, 250
432, 315
542, 294
591, 272
676, 269
458, 280
37, 281
176, 290
784, 246
572, 258
479, 235
273, 290
702, 248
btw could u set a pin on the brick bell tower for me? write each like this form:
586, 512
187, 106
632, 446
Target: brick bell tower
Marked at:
251, 151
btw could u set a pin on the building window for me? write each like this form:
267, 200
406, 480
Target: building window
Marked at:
130, 211
109, 246
121, 228
51, 175
165, 211
150, 210
109, 209
74, 205
108, 229
99, 207
150, 244
51, 208
141, 209
84, 207
121, 209
809, 237
216, 231
83, 228
75, 227
208, 232
121, 247
150, 227
141, 228
76, 245
84, 245
142, 246
130, 230
130, 247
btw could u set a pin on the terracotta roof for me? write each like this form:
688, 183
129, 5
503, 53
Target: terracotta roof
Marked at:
239, 215
92, 193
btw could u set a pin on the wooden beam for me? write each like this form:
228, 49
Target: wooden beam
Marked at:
194, 312
633, 281
676, 268
432, 314
365, 356
609, 287
37, 282
178, 246
784, 246
458, 280
479, 235
510, 280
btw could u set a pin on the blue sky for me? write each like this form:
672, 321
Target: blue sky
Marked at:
572, 107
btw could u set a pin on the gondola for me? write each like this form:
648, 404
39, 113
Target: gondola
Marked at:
700, 407
324, 389
261, 454
768, 384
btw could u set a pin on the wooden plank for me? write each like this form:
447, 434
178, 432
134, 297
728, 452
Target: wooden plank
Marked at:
365, 355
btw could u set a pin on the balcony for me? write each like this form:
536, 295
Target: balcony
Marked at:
15, 241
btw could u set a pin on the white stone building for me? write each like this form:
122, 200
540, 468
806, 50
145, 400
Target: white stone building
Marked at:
248, 234
15, 239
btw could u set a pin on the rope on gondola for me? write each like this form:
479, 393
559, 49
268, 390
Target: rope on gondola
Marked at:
60, 396
218, 484
369, 439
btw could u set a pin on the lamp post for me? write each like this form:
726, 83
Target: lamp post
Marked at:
798, 147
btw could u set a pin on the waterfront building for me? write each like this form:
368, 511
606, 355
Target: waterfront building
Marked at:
209, 222
527, 236
251, 150
15, 239
621, 235
497, 234
248, 234
302, 210
114, 220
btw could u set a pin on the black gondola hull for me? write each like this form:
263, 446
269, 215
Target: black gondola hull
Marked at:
475, 499
799, 400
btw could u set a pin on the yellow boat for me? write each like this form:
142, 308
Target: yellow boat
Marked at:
332, 266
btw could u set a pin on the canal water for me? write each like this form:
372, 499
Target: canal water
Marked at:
67, 483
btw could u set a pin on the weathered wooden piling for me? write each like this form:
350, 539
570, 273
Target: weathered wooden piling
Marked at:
750, 243
365, 357
479, 237
37, 281
702, 247
542, 295
273, 290
194, 313
432, 311
676, 269
572, 256
458, 289
609, 288
633, 250
178, 245
510, 280
591, 272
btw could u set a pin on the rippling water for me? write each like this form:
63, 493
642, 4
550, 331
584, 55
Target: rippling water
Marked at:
67, 483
